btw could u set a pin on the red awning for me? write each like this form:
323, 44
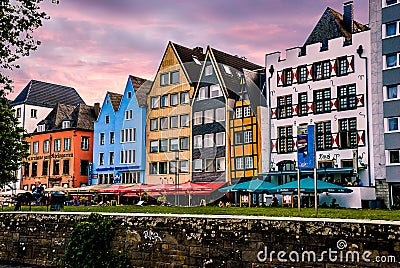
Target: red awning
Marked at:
138, 188
115, 188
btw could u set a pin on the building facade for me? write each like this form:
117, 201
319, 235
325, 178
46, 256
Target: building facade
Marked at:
168, 126
61, 148
385, 40
325, 84
119, 136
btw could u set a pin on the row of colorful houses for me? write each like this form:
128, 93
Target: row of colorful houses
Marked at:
209, 116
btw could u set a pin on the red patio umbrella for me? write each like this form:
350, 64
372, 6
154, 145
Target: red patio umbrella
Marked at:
113, 189
138, 188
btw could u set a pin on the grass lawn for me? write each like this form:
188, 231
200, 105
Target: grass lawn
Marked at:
378, 214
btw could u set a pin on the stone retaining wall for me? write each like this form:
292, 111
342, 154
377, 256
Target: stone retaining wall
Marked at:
210, 241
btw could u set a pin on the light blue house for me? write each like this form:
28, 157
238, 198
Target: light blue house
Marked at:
119, 154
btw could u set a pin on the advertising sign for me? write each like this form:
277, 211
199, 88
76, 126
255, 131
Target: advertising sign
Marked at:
305, 147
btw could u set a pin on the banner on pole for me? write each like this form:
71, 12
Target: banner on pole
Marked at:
305, 147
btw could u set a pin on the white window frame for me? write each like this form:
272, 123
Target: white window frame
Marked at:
249, 162
248, 136
246, 111
198, 118
208, 70
33, 113
57, 145
85, 143
198, 165
215, 89
388, 163
384, 29
46, 147
220, 136
203, 93
41, 128
220, 164
164, 79
227, 69
397, 65
208, 140
209, 165
35, 147
208, 116
198, 141
128, 114
66, 124
184, 166
220, 114
67, 144
385, 92
238, 112
239, 163
387, 124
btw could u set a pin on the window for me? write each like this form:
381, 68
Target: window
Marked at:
66, 124
208, 116
184, 97
128, 135
203, 93
220, 164
164, 79
208, 140
348, 133
41, 128
248, 136
391, 2
18, 113
341, 66
172, 167
198, 141
129, 94
34, 169
238, 137
163, 145
153, 146
56, 167
67, 144
220, 139
246, 111
46, 144
184, 143
127, 156
285, 139
154, 124
322, 101
57, 145
102, 139
163, 123
162, 166
302, 74
238, 112
184, 166
323, 135
391, 60
227, 69
220, 114
111, 158
112, 137
248, 162
347, 97
175, 77
35, 147
153, 168
209, 165
84, 167
173, 122
208, 70
154, 102
164, 101
302, 105
392, 92
101, 159
198, 165
33, 113
394, 157
45, 168
391, 29
26, 169
184, 120
321, 70
85, 143
107, 119
173, 145
284, 109
287, 77
66, 167
239, 163
174, 99
393, 124
215, 91
128, 114
198, 118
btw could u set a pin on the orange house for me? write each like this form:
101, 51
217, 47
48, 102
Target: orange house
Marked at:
61, 148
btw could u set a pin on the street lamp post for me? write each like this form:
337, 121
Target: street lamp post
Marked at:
50, 141
176, 178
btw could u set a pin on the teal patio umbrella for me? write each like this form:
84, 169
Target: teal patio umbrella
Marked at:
254, 186
307, 186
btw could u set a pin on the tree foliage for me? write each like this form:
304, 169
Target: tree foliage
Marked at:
13, 147
18, 20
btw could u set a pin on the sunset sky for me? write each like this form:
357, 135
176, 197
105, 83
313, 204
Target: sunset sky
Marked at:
93, 45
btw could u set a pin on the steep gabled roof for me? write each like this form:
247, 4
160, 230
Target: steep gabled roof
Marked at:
142, 88
331, 25
81, 116
47, 95
115, 99
188, 57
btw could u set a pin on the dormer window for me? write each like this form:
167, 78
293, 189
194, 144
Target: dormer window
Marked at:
66, 124
41, 128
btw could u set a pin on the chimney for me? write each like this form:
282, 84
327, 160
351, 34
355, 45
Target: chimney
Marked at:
96, 109
198, 50
348, 15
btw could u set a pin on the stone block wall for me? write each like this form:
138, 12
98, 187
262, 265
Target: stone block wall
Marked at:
210, 241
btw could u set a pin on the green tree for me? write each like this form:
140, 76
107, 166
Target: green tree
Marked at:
18, 20
13, 147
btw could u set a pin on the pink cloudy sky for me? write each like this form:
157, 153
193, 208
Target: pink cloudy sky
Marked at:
93, 45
